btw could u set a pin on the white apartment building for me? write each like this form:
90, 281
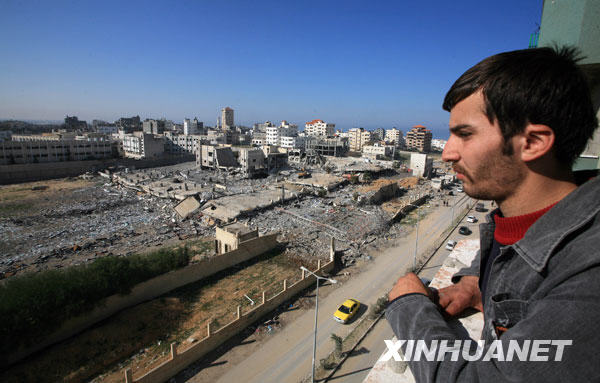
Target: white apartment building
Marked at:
438, 144
394, 136
30, 151
183, 144
378, 151
142, 145
290, 142
319, 128
192, 126
276, 133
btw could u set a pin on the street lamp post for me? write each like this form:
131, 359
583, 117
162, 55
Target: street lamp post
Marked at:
417, 237
453, 203
316, 313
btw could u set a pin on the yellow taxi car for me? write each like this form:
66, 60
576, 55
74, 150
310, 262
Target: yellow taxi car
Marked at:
346, 311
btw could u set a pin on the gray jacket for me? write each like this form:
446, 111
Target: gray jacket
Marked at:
544, 287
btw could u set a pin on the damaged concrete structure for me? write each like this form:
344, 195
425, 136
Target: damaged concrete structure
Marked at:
229, 236
228, 208
214, 157
187, 207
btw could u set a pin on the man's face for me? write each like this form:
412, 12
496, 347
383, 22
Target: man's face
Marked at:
475, 150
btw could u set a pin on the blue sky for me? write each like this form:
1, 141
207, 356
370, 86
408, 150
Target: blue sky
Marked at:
354, 63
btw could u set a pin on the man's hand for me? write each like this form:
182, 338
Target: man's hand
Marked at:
408, 284
456, 298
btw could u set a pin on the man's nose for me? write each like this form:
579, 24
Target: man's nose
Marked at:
450, 154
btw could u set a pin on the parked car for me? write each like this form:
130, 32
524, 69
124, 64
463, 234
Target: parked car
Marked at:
346, 311
450, 245
471, 219
480, 207
460, 189
464, 230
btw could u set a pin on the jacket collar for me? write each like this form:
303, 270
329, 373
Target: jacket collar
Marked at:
567, 216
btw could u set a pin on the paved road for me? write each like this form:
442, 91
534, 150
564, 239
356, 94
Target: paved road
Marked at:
357, 366
287, 356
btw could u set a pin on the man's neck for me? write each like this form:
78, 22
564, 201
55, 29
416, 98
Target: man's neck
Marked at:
536, 193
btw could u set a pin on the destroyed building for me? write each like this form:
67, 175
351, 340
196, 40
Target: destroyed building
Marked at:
229, 236
214, 157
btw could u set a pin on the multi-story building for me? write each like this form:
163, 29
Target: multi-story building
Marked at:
378, 134
319, 128
106, 129
259, 139
73, 123
355, 139
438, 144
153, 126
261, 127
129, 124
214, 157
5, 135
183, 144
32, 151
276, 133
378, 151
291, 142
227, 118
251, 160
59, 135
419, 138
327, 146
395, 137
193, 126
358, 137
142, 145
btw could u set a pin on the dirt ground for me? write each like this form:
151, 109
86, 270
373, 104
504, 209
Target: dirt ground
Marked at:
140, 337
74, 221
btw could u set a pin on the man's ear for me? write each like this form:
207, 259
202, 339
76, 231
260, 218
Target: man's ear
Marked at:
536, 140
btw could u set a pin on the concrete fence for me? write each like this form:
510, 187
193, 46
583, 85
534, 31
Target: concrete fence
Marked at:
402, 212
183, 356
12, 174
153, 288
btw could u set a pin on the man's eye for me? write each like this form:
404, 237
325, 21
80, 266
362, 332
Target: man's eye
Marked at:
464, 134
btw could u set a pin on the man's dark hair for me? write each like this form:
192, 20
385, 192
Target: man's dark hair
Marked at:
538, 86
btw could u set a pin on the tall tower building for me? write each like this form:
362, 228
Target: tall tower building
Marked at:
227, 118
419, 138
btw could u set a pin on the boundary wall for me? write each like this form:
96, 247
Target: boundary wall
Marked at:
183, 356
153, 288
18, 173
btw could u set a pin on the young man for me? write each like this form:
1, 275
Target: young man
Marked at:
518, 120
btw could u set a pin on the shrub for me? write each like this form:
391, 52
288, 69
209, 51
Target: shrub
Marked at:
379, 306
338, 344
34, 305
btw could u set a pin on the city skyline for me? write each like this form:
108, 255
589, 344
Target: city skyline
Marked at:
353, 64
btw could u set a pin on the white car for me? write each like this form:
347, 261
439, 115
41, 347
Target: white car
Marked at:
450, 245
471, 219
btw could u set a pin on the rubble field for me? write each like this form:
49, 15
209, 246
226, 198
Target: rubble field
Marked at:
55, 224
58, 223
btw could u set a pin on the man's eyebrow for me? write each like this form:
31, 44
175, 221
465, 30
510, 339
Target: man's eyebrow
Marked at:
457, 128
